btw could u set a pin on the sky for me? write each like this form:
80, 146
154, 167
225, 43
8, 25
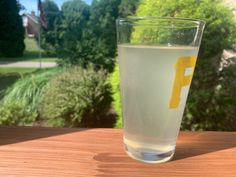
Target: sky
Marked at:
31, 5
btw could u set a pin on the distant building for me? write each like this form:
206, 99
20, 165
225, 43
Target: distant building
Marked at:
31, 24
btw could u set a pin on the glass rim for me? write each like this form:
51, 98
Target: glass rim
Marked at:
132, 19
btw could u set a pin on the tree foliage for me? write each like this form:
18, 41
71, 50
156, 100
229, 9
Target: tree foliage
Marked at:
102, 20
72, 32
128, 7
49, 35
87, 33
84, 34
11, 29
209, 103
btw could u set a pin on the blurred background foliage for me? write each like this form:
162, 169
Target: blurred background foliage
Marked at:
210, 104
81, 35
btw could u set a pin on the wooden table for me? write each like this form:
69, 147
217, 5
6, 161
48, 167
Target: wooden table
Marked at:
47, 152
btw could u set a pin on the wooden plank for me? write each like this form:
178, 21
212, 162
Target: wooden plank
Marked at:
36, 152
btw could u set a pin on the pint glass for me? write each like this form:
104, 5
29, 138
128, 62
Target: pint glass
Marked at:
157, 57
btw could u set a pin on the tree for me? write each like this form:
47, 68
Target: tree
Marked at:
102, 21
73, 32
11, 29
88, 34
128, 7
49, 35
208, 106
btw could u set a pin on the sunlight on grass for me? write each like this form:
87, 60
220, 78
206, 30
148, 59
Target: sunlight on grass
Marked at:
17, 70
31, 53
8, 76
31, 45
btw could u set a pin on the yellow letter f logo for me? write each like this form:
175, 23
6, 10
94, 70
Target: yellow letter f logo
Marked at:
180, 79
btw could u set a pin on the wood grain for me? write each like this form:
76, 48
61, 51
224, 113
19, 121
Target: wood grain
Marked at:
49, 152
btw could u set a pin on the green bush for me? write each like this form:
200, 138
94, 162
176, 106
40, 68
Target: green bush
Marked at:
25, 95
115, 83
209, 105
78, 98
220, 110
15, 114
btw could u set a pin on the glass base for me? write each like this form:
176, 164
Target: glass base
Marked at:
149, 156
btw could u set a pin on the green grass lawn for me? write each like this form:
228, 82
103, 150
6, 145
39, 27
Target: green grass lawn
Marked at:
8, 76
31, 53
16, 70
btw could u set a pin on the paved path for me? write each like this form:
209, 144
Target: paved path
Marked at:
27, 64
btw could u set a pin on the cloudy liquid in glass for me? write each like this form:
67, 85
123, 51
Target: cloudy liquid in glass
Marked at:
147, 76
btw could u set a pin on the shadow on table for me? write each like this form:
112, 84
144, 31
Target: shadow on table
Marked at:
204, 142
190, 144
15, 134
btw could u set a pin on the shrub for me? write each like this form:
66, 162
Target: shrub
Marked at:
221, 109
115, 83
78, 98
25, 95
15, 114
208, 106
